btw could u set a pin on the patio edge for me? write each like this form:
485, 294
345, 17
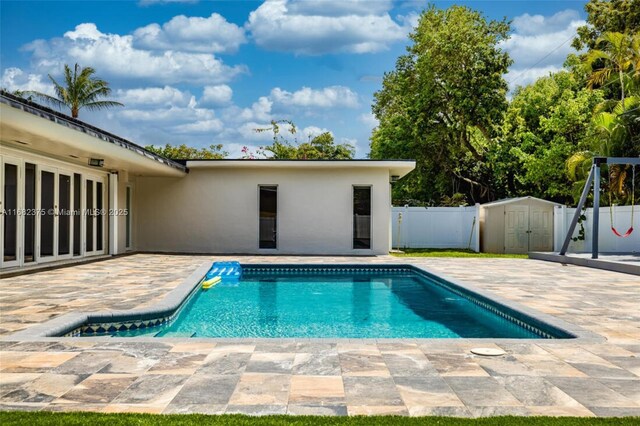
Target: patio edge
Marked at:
590, 263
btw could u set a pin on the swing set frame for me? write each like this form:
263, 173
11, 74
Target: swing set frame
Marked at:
594, 177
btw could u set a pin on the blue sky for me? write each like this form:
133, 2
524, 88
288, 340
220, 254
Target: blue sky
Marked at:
202, 72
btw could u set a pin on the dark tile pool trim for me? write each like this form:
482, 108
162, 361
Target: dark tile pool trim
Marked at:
72, 325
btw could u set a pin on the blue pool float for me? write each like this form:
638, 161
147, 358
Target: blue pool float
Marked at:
229, 272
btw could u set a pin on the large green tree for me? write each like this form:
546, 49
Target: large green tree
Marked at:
80, 89
442, 105
546, 122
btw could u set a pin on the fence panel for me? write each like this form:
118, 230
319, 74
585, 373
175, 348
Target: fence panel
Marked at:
608, 242
435, 227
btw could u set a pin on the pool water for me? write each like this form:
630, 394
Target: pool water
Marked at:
342, 304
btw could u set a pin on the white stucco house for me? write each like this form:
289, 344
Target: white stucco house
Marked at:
70, 191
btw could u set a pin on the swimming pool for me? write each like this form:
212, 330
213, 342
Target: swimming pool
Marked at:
313, 301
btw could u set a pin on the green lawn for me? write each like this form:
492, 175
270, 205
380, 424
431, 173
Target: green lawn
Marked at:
453, 253
45, 418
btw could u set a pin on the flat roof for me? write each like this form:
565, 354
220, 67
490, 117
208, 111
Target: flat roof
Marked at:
396, 167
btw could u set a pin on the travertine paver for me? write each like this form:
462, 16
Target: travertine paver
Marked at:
320, 377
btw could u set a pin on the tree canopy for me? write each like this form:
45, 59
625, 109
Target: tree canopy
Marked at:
184, 152
622, 16
544, 124
319, 147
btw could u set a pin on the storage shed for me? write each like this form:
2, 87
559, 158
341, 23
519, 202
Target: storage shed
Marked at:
517, 225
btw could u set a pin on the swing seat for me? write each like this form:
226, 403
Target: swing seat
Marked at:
625, 235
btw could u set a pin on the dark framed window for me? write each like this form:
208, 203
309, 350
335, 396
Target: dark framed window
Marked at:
361, 217
268, 207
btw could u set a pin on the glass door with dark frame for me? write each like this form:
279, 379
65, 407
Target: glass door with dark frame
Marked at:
30, 178
94, 222
54, 223
47, 218
268, 209
361, 217
10, 182
64, 212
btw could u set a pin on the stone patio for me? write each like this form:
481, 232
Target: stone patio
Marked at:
404, 377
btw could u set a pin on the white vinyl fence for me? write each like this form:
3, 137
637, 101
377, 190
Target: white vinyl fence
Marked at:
458, 227
435, 227
608, 242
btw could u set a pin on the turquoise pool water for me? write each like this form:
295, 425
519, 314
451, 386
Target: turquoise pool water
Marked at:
284, 303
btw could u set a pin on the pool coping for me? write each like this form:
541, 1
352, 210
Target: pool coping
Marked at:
56, 328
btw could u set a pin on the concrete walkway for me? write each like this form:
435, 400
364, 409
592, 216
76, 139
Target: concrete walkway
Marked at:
313, 377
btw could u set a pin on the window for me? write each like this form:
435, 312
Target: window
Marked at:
361, 217
268, 217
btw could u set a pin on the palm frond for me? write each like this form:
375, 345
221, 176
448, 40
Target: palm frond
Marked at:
578, 163
53, 101
98, 105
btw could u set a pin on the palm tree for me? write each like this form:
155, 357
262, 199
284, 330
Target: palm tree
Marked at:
617, 62
618, 58
81, 90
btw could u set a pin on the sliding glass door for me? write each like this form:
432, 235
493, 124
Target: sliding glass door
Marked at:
9, 208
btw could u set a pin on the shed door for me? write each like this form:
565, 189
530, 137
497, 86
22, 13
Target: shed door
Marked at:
516, 237
541, 228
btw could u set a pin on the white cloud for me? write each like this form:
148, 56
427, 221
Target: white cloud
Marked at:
115, 55
216, 95
340, 7
538, 24
16, 79
540, 44
258, 111
328, 97
213, 125
153, 96
319, 27
523, 77
311, 132
191, 34
369, 119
